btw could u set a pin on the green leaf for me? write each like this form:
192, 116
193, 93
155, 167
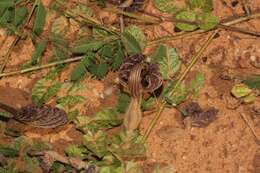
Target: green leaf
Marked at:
204, 5
197, 83
20, 15
81, 121
168, 60
147, 104
123, 102
51, 91
138, 34
164, 169
208, 21
105, 119
31, 164
168, 6
76, 151
130, 43
44, 90
7, 17
82, 68
253, 82
132, 167
99, 70
38, 52
111, 169
128, 144
97, 143
240, 90
118, 59
99, 33
8, 152
6, 3
70, 100
87, 46
60, 26
39, 19
80, 10
180, 94
188, 16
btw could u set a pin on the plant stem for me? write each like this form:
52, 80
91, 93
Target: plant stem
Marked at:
147, 19
187, 34
41, 66
195, 58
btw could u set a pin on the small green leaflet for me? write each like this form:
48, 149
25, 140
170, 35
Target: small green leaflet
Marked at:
80, 10
8, 152
41, 92
99, 70
253, 82
82, 68
6, 3
91, 45
76, 151
164, 169
138, 34
97, 142
39, 50
39, 19
7, 16
208, 21
203, 5
111, 169
20, 15
105, 119
70, 100
133, 167
148, 104
60, 26
168, 6
168, 61
118, 57
123, 102
180, 94
188, 16
197, 83
130, 43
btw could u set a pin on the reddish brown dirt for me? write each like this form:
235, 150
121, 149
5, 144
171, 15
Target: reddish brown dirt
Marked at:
225, 146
